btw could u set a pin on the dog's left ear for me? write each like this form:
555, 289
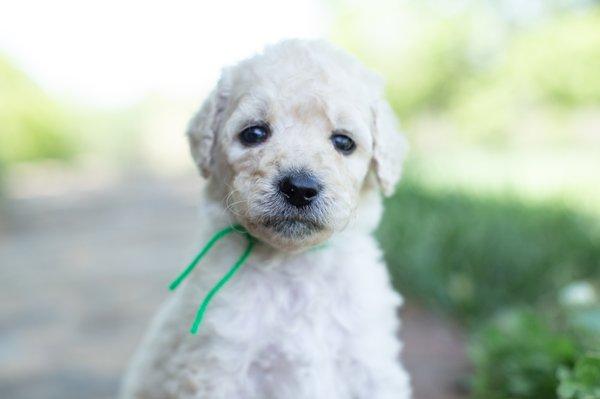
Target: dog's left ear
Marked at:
389, 147
203, 128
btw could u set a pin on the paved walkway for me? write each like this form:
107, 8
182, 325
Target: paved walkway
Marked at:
83, 270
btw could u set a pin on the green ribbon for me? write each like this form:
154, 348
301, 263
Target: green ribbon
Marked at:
232, 271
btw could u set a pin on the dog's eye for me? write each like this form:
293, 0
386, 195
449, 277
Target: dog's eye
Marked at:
343, 143
254, 135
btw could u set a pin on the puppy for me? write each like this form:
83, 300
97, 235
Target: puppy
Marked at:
297, 144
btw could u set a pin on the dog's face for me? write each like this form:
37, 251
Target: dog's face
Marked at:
295, 167
291, 137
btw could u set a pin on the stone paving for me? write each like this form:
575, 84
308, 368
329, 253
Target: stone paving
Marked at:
83, 270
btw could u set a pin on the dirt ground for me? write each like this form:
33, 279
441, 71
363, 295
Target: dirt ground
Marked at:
84, 266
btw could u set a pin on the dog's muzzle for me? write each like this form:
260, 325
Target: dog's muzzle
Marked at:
295, 208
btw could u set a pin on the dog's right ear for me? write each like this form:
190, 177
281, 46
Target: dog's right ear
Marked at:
204, 126
389, 147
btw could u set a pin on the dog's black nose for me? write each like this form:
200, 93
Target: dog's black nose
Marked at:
299, 188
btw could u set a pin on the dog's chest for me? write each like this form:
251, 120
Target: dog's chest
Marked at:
292, 301
308, 327
287, 323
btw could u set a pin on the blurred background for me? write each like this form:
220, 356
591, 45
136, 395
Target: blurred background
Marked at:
493, 236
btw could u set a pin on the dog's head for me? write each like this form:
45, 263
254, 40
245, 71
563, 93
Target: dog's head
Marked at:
291, 138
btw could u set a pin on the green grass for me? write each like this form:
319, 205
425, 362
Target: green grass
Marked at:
473, 255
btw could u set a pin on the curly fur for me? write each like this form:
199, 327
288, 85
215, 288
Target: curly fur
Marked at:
294, 323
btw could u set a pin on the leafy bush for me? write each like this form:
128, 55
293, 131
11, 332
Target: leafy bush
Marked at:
526, 354
516, 355
33, 126
483, 259
559, 62
583, 381
473, 256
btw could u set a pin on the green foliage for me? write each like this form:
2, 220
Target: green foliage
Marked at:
472, 256
516, 355
551, 67
32, 126
583, 381
482, 73
499, 264
425, 63
559, 62
526, 354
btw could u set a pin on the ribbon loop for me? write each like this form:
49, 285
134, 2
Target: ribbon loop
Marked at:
232, 271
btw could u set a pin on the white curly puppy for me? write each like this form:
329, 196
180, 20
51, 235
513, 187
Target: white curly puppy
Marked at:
297, 143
